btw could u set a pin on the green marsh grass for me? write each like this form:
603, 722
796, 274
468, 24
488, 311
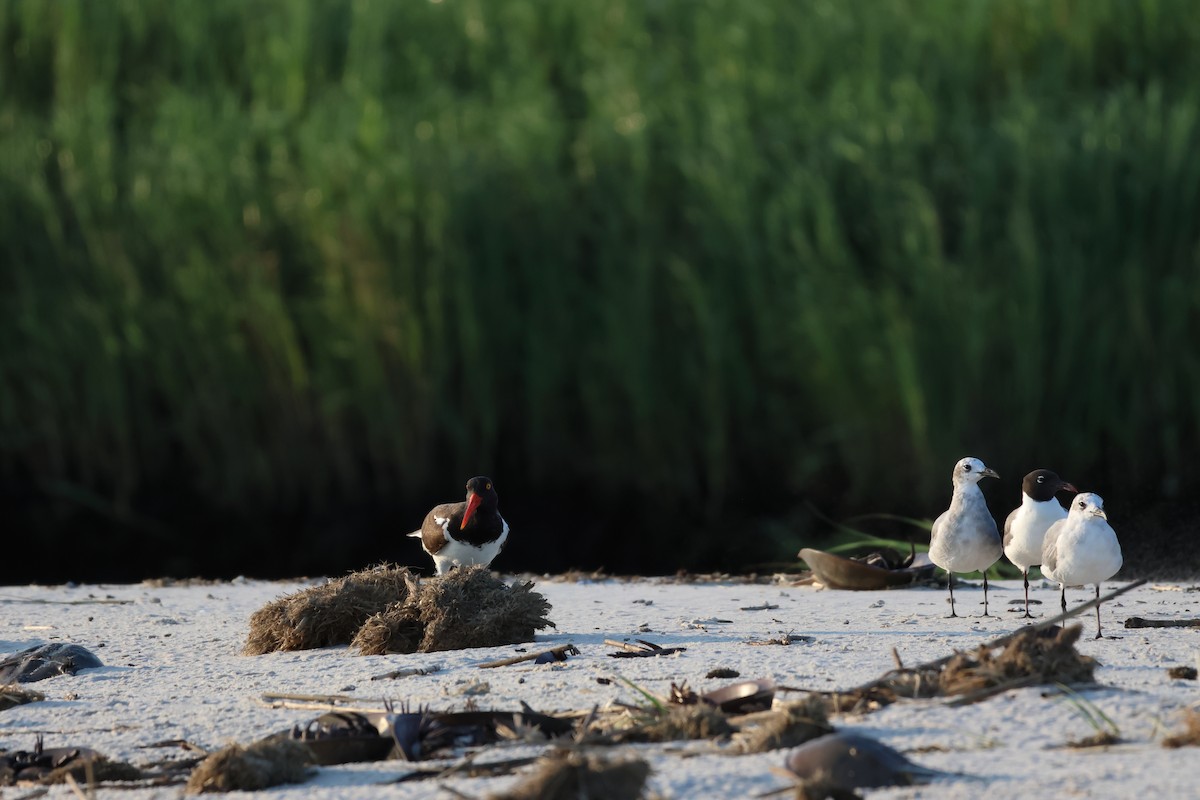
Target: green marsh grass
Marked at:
338, 252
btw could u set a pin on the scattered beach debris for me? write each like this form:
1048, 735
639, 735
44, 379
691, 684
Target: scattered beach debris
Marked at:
836, 764
13, 695
723, 672
792, 725
441, 731
762, 607
641, 649
1190, 735
52, 765
569, 775
550, 656
1034, 654
676, 723
340, 737
469, 607
260, 765
407, 672
1142, 622
1026, 658
328, 614
1174, 673
883, 569
46, 661
783, 640
1104, 731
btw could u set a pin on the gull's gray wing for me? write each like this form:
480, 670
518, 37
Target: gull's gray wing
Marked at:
937, 526
1012, 515
1050, 548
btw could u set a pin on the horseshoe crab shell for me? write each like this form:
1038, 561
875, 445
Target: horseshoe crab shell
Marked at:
846, 761
838, 572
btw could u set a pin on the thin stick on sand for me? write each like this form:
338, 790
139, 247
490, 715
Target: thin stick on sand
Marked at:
407, 672
1142, 622
560, 653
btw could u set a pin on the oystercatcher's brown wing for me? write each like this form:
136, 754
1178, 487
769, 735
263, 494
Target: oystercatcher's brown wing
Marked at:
433, 530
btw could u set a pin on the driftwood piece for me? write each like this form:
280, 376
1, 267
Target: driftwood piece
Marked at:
1142, 622
642, 649
559, 653
407, 672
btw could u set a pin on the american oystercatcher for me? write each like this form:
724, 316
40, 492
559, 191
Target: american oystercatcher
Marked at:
467, 533
964, 537
1082, 549
1025, 528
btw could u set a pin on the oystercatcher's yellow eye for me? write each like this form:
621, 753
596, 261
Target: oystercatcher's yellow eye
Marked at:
489, 486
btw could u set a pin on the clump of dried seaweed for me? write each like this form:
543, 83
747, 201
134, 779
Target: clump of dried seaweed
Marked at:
1190, 734
1029, 658
677, 723
265, 763
567, 775
14, 695
100, 769
329, 614
792, 725
470, 607
1026, 658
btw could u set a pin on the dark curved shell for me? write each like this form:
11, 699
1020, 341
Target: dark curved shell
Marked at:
46, 661
847, 761
837, 572
743, 697
342, 737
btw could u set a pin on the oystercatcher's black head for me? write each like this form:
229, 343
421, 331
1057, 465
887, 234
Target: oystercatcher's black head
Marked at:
480, 495
1042, 484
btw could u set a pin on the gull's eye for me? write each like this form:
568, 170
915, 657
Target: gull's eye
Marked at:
966, 467
1082, 504
1041, 478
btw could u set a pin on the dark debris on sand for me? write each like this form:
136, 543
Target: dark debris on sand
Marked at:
1028, 658
567, 775
790, 726
1190, 735
260, 765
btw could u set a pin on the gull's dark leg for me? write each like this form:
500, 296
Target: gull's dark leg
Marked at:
1026, 573
1099, 635
1064, 597
985, 613
950, 583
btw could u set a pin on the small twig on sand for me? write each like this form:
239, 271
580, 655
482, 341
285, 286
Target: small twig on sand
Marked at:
560, 653
40, 601
325, 699
763, 607
1142, 622
407, 672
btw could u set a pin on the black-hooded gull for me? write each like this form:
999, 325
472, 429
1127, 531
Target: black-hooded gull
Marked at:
1025, 528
